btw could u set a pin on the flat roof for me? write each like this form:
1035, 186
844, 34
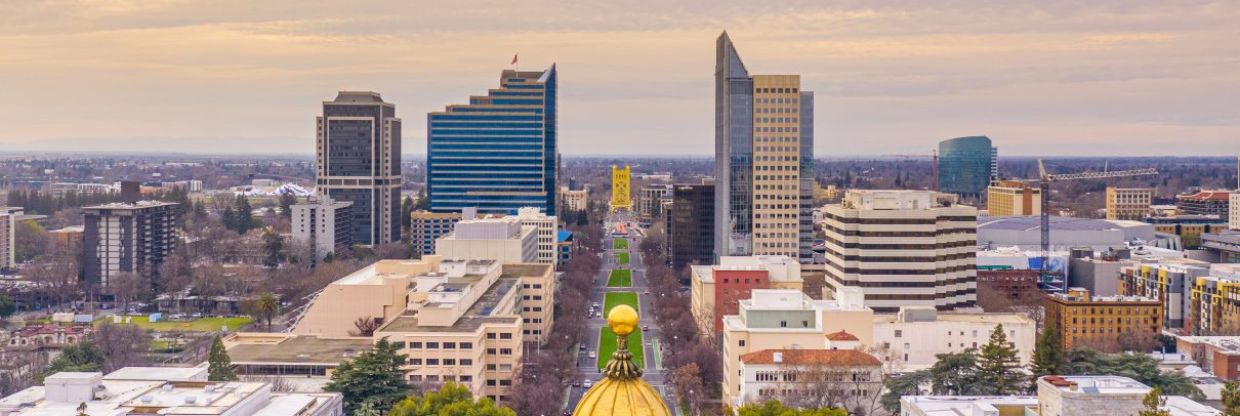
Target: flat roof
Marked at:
999, 318
300, 349
1031, 223
481, 312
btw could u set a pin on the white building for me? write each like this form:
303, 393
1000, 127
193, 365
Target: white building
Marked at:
162, 390
323, 224
1057, 396
818, 377
913, 337
504, 239
574, 200
8, 231
546, 227
902, 248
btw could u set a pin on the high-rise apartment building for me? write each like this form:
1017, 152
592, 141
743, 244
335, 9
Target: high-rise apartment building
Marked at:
358, 161
8, 234
902, 248
763, 154
498, 153
1215, 302
966, 165
1205, 203
425, 227
324, 225
1108, 324
1013, 198
127, 237
1169, 281
1132, 204
691, 225
574, 200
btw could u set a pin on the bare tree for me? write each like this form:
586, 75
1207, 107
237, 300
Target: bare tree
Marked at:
122, 345
689, 387
126, 287
364, 327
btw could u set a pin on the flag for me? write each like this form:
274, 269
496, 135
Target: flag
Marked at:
514, 59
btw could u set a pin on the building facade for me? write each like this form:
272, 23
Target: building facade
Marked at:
717, 290
912, 338
358, 161
505, 239
127, 238
1013, 198
324, 225
965, 166
902, 248
650, 203
1132, 204
1233, 219
574, 200
8, 234
843, 378
1170, 281
500, 152
1215, 302
1108, 324
691, 225
763, 150
546, 228
1205, 203
425, 227
1189, 227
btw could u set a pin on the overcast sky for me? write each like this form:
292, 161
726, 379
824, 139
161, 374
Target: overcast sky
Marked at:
1048, 77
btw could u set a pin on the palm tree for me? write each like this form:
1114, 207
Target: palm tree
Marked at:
268, 305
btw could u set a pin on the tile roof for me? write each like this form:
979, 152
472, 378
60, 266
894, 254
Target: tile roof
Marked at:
825, 357
842, 336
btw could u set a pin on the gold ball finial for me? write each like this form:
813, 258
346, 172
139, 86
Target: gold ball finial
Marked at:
622, 319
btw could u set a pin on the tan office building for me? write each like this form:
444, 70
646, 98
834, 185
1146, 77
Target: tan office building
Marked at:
776, 164
1013, 198
1131, 204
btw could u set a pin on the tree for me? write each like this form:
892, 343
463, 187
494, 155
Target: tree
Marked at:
1231, 398
406, 208
1139, 367
954, 374
84, 356
1048, 354
81, 409
122, 345
7, 307
903, 385
451, 399
688, 382
998, 368
775, 408
219, 365
1154, 402
266, 307
287, 199
273, 246
372, 377
127, 286
364, 327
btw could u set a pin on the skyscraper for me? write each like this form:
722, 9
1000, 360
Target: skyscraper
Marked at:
499, 152
358, 161
966, 165
763, 146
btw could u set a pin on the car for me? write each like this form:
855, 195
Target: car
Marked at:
593, 355
645, 328
645, 292
576, 383
583, 347
587, 384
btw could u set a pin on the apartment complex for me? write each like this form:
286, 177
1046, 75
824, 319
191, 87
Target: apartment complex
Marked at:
1132, 204
1169, 281
500, 152
763, 154
1013, 198
324, 225
902, 248
690, 225
650, 202
8, 235
546, 231
718, 289
163, 390
1109, 324
358, 161
425, 227
781, 319
126, 237
912, 338
574, 200
966, 166
1205, 203
1215, 302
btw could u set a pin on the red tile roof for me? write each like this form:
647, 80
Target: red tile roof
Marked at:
842, 336
824, 357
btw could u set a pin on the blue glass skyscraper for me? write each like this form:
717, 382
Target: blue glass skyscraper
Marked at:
499, 152
965, 166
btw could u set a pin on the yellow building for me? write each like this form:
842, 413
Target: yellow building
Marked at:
1131, 204
1109, 324
1013, 198
776, 164
1215, 302
621, 195
1189, 227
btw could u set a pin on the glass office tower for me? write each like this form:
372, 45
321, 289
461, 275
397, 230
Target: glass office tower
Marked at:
965, 166
499, 152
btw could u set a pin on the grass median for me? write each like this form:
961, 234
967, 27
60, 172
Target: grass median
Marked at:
620, 278
607, 339
620, 244
622, 258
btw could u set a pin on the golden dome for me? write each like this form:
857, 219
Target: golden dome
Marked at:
622, 392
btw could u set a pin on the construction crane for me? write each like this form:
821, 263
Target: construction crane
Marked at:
1044, 183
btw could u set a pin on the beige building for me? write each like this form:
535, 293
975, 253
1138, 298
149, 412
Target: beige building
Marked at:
545, 227
1234, 218
574, 200
716, 290
1057, 396
505, 239
778, 319
911, 339
8, 232
777, 164
1012, 199
426, 227
902, 248
1131, 204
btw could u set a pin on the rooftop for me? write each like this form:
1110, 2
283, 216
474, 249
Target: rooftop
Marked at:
299, 349
964, 405
1032, 223
481, 312
357, 97
131, 205
803, 356
842, 336
1104, 385
1206, 196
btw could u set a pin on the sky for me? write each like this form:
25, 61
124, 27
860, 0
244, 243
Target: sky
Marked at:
1051, 77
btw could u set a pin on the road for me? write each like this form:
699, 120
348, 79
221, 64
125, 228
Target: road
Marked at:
655, 375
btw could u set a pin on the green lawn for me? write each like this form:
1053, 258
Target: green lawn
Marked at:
607, 346
622, 258
620, 278
620, 244
197, 325
619, 298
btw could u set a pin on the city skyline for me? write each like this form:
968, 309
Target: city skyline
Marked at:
1081, 79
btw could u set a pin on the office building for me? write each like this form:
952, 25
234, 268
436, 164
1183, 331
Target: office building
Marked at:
1205, 203
8, 235
505, 239
358, 161
1170, 281
164, 391
1108, 324
650, 203
1191, 228
574, 200
425, 227
1013, 198
127, 237
780, 319
902, 248
914, 336
763, 155
546, 228
716, 290
691, 225
498, 153
324, 225
965, 166
1132, 204
795, 376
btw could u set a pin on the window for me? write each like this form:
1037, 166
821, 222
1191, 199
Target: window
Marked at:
415, 361
449, 361
417, 345
506, 335
432, 361
449, 345
741, 343
490, 335
467, 362
491, 351
899, 333
467, 345
505, 351
490, 382
432, 345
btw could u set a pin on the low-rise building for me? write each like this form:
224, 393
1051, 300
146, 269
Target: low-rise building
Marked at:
505, 239
1057, 396
826, 377
716, 290
48, 336
967, 405
1189, 227
912, 337
1013, 198
162, 390
1205, 203
324, 225
1105, 323
1223, 247
1132, 204
1220, 355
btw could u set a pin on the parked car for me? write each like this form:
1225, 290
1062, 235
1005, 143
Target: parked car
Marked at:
587, 384
645, 328
593, 355
583, 347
